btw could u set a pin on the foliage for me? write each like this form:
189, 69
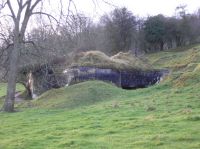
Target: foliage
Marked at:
155, 31
120, 26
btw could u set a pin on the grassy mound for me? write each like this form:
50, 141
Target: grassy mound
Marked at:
81, 94
121, 61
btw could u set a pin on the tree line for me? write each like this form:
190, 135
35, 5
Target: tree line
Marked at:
120, 30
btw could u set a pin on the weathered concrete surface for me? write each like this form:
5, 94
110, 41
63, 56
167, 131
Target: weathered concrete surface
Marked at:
42, 79
125, 79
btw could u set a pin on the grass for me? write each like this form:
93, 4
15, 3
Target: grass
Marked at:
98, 115
3, 89
120, 61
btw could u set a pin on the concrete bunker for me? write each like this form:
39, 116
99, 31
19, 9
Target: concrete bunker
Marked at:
124, 70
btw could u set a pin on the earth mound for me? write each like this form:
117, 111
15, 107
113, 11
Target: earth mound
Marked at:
120, 61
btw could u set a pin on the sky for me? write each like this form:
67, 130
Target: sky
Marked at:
96, 8
142, 8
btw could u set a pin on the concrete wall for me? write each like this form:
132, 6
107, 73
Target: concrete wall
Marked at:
44, 79
124, 79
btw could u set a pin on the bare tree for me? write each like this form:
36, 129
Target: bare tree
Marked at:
20, 12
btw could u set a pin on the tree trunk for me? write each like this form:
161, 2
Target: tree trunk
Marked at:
12, 76
161, 46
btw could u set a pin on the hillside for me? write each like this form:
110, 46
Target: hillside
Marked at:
98, 115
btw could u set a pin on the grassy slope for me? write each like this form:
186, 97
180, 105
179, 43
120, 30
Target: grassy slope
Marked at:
97, 115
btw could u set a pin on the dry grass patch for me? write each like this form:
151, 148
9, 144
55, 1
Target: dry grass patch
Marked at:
120, 61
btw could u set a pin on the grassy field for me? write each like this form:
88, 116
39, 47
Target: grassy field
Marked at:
97, 115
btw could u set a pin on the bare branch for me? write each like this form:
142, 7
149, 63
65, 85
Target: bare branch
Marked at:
3, 5
46, 14
19, 10
108, 3
25, 4
19, 3
4, 38
74, 5
68, 9
26, 19
11, 10
34, 5
7, 15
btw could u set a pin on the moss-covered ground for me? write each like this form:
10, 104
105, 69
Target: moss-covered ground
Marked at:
98, 115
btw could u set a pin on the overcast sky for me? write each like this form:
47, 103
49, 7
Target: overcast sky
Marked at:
142, 8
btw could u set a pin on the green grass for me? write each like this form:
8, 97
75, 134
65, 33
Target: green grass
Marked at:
98, 115
3, 89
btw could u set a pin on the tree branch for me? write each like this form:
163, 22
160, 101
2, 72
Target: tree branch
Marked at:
24, 5
20, 9
11, 10
7, 15
46, 14
26, 19
34, 5
3, 5
19, 3
108, 3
